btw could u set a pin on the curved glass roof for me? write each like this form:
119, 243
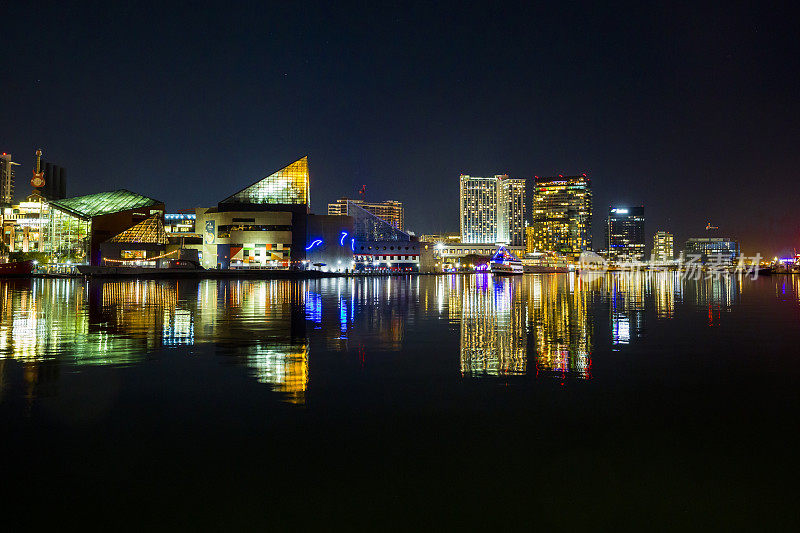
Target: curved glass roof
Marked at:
103, 203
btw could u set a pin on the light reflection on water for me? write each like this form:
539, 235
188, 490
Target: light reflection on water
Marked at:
541, 325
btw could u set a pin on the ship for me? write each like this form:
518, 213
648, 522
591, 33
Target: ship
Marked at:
17, 269
174, 267
505, 263
542, 263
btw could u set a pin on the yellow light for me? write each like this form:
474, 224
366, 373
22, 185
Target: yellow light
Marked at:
140, 259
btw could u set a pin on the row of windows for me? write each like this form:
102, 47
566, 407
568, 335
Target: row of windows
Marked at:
386, 258
414, 248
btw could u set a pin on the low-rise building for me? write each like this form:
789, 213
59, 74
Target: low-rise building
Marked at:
712, 249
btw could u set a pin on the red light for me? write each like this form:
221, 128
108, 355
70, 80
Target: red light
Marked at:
584, 174
560, 176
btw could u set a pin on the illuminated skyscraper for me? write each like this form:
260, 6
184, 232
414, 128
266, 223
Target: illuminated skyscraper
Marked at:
6, 179
511, 211
390, 210
492, 210
625, 233
663, 247
562, 215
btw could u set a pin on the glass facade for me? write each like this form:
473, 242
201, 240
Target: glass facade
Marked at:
625, 233
286, 186
103, 203
712, 249
663, 247
511, 211
150, 231
478, 212
368, 227
67, 237
562, 215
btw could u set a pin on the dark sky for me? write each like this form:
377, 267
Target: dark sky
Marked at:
691, 111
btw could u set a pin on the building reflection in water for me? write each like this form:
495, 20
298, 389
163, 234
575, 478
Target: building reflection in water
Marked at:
504, 324
492, 320
44, 322
561, 325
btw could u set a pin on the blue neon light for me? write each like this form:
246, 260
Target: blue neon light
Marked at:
353, 244
341, 241
315, 242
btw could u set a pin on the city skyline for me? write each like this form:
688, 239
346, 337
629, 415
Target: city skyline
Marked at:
648, 102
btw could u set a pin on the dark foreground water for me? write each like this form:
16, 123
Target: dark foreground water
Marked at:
611, 402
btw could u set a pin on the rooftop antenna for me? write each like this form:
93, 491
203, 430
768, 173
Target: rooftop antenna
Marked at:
362, 193
709, 227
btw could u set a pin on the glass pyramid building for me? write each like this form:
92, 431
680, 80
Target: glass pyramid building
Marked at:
368, 227
148, 231
289, 185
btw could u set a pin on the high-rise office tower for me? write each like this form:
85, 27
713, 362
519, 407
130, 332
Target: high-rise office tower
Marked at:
6, 179
389, 211
625, 233
663, 246
492, 210
562, 215
511, 210
55, 181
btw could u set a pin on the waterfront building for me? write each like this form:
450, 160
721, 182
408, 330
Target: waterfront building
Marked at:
23, 223
390, 211
264, 223
511, 211
393, 256
663, 248
7, 174
268, 225
455, 253
143, 244
445, 238
562, 215
77, 226
625, 234
492, 209
711, 249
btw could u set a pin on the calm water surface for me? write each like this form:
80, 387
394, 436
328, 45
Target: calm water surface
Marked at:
611, 401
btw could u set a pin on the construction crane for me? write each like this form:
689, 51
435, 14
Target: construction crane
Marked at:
37, 181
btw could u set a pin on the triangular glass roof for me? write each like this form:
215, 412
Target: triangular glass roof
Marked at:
289, 185
103, 203
149, 231
368, 227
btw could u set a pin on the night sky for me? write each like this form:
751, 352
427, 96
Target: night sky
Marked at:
692, 112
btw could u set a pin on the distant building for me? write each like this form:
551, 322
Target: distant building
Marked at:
625, 233
7, 179
446, 238
562, 215
23, 224
663, 248
511, 211
711, 249
452, 253
55, 181
389, 210
492, 210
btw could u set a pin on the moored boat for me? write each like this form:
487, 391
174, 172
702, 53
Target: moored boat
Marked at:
542, 263
16, 269
504, 262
